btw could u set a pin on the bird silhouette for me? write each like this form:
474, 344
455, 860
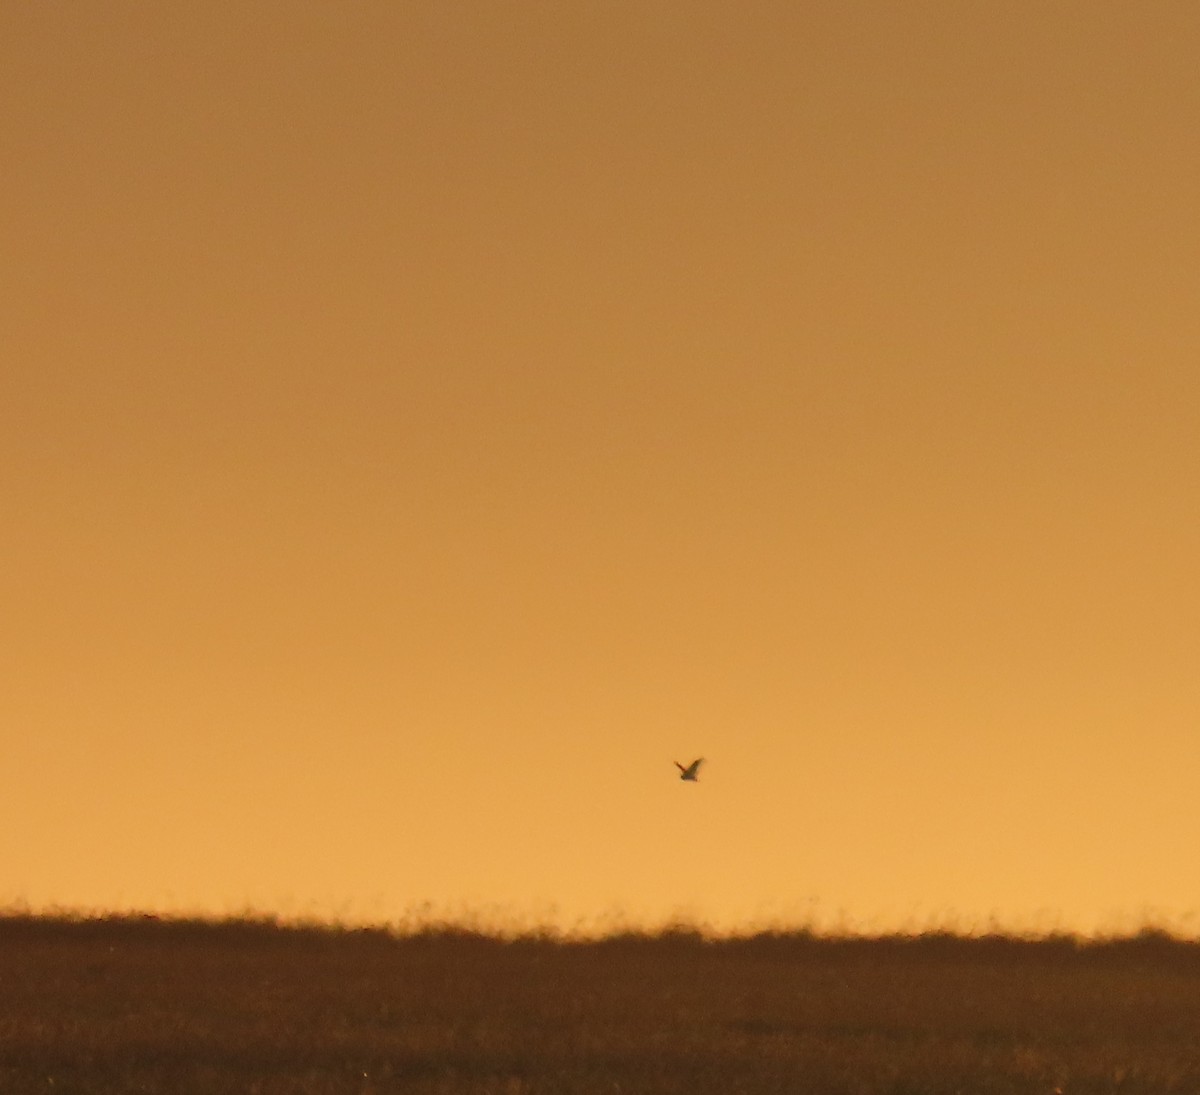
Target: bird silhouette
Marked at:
691, 772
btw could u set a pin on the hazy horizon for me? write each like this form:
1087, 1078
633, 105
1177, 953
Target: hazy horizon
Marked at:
515, 925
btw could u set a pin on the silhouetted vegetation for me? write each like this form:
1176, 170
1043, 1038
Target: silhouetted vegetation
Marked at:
190, 1006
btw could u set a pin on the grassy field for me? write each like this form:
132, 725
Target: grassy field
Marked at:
190, 1007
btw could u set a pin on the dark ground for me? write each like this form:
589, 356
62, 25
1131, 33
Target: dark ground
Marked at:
190, 1007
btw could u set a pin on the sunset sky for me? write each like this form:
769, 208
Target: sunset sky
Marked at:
423, 422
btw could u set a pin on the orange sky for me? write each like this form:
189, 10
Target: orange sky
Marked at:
422, 423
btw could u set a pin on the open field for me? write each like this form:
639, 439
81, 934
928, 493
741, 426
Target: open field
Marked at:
191, 1007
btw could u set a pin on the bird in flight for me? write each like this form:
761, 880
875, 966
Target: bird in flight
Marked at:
691, 772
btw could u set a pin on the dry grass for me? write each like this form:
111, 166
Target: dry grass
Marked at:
190, 1007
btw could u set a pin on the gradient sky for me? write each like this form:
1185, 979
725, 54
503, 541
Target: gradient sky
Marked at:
421, 423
